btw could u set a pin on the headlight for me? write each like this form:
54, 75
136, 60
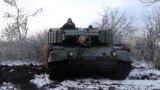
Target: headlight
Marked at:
114, 54
71, 53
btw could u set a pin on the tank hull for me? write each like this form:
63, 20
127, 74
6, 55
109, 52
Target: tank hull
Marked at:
112, 68
90, 66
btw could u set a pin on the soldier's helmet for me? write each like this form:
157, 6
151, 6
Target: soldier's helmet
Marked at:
69, 20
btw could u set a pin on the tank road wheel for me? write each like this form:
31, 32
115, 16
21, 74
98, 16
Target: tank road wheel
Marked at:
56, 70
122, 71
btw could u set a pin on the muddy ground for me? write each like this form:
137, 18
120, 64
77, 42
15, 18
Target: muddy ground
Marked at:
33, 77
20, 76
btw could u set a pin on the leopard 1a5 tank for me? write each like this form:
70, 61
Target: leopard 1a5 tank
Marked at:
86, 51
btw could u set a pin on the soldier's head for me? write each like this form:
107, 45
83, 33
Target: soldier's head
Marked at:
69, 20
90, 27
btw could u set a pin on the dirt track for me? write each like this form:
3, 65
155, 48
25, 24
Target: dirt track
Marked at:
20, 75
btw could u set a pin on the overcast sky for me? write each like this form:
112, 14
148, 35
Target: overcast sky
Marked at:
82, 12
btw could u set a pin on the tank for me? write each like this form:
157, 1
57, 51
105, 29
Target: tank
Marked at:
86, 51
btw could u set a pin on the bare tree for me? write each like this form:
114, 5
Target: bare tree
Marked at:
151, 40
149, 1
119, 23
36, 42
19, 27
27, 51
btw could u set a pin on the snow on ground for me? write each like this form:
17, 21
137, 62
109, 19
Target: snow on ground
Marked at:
144, 74
8, 86
100, 84
19, 62
108, 84
41, 80
140, 78
140, 64
141, 71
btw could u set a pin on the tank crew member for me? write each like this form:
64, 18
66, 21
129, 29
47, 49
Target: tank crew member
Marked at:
68, 25
90, 27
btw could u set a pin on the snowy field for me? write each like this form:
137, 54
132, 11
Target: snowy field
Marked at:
140, 78
8, 86
19, 62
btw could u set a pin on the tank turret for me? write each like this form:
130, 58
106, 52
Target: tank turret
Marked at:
80, 37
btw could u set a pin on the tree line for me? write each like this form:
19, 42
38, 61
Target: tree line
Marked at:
16, 45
